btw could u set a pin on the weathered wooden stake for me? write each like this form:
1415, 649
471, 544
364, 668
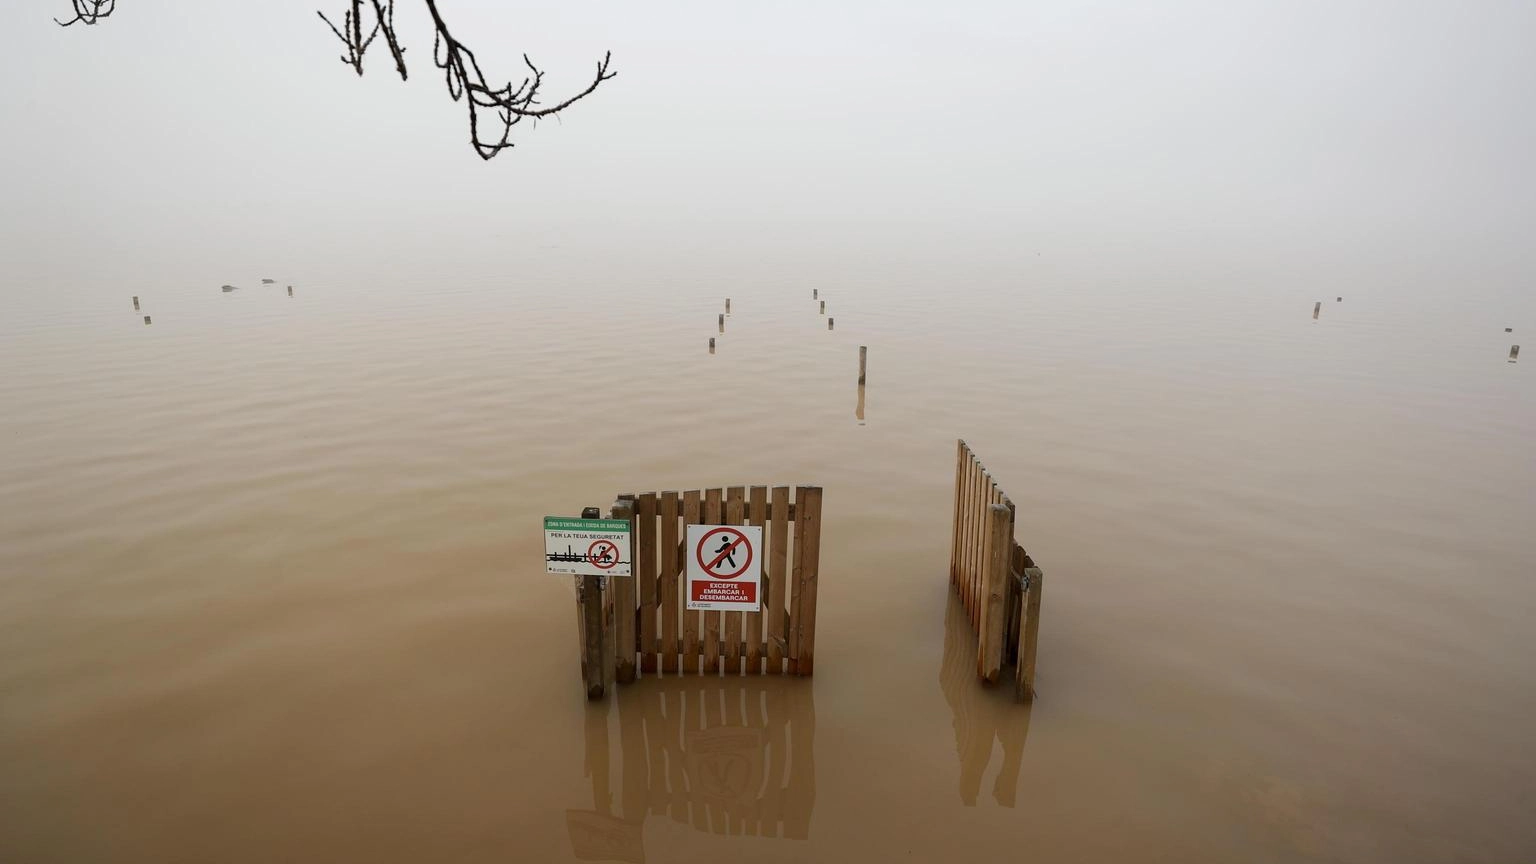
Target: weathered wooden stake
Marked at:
590, 600
711, 344
815, 293
136, 306
823, 307
863, 357
1317, 308
623, 591
1514, 350
290, 290
146, 319
993, 616
858, 409
1030, 639
727, 304
829, 323
722, 322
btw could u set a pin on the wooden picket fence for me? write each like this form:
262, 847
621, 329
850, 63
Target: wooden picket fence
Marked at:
996, 579
728, 757
645, 619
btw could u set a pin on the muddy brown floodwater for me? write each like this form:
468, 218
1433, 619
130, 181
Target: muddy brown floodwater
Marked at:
271, 584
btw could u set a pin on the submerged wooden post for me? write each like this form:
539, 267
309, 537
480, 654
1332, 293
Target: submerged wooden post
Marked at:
711, 344
1514, 350
993, 615
727, 304
829, 323
722, 322
802, 646
863, 358
136, 305
622, 589
290, 290
823, 307
590, 600
1317, 308
815, 293
1029, 639
146, 319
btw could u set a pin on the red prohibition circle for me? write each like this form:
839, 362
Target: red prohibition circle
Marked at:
592, 557
740, 540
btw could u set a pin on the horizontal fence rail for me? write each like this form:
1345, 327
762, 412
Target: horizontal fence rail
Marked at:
996, 580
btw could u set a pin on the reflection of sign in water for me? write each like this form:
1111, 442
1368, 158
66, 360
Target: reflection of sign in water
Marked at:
595, 837
723, 567
586, 547
726, 762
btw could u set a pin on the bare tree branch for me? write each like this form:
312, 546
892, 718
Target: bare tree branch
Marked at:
89, 11
464, 77
504, 105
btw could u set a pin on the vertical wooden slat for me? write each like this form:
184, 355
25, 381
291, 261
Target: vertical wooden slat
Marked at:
1016, 565
963, 541
692, 629
667, 593
999, 545
1031, 637
622, 588
757, 509
808, 564
973, 538
645, 577
735, 514
711, 619
954, 531
778, 583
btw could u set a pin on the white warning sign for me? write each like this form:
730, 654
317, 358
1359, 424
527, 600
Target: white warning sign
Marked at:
724, 563
586, 547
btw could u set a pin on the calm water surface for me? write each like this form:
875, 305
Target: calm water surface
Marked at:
271, 584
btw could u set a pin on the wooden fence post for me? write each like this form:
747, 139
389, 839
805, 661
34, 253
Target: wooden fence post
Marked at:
591, 602
622, 589
1031, 633
807, 567
999, 549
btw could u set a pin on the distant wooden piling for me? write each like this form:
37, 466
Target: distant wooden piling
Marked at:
727, 304
829, 323
1514, 350
146, 321
863, 361
1338, 300
823, 307
711, 344
815, 293
136, 305
1317, 308
290, 290
722, 322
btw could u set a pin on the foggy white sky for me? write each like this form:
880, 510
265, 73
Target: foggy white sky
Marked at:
1388, 138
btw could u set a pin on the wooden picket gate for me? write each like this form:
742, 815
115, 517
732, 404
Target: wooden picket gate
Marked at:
644, 626
995, 578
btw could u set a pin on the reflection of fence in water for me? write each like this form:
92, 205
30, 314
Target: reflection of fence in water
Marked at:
982, 716
727, 757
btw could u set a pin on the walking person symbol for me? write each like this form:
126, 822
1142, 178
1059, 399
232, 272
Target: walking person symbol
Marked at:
726, 552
